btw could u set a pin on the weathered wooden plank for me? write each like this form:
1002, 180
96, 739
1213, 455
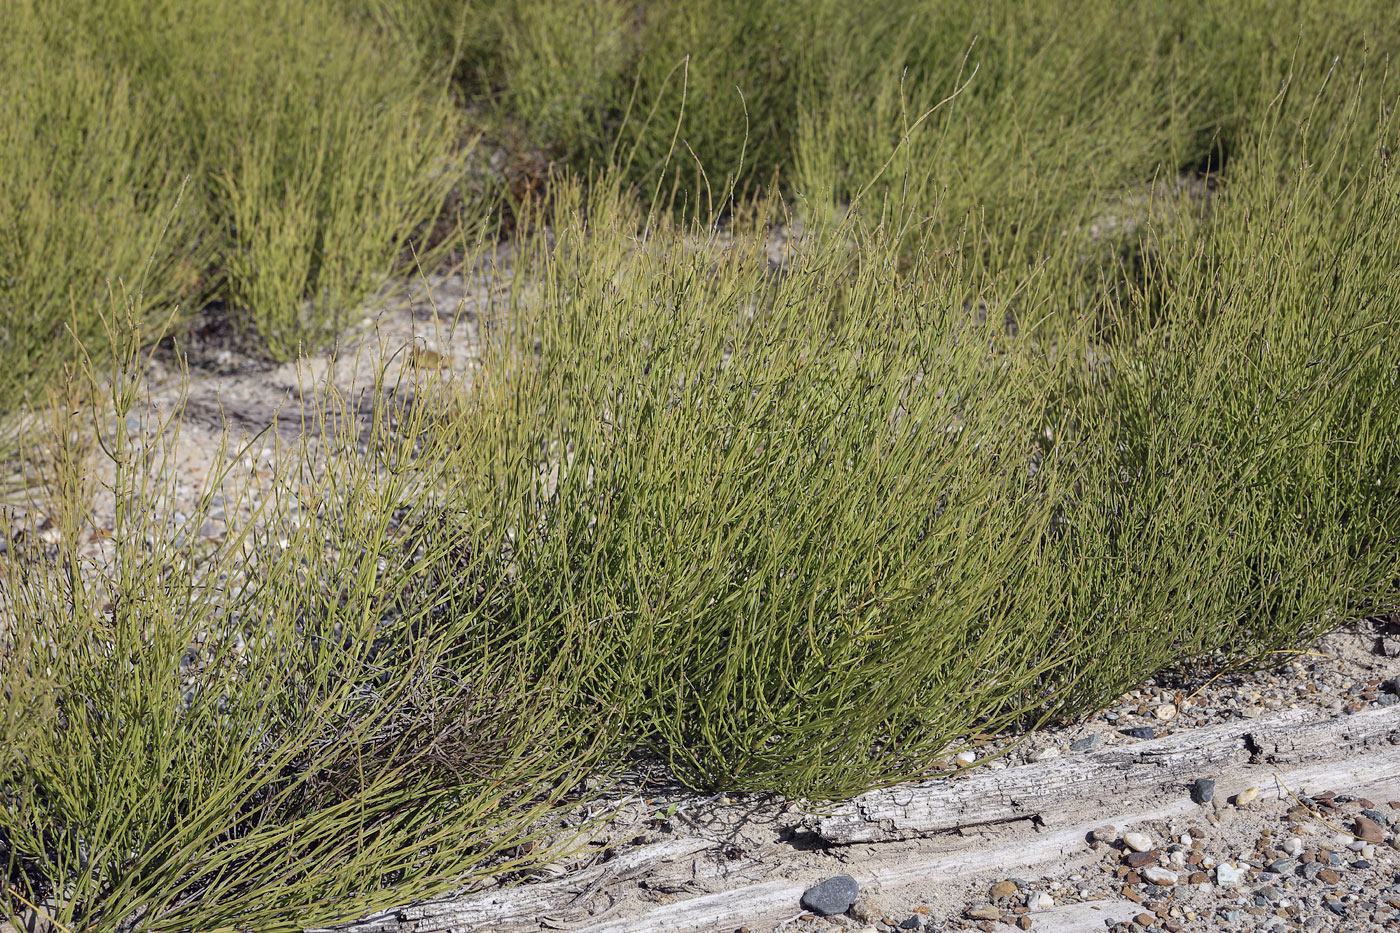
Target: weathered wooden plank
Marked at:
979, 823
529, 902
1002, 852
1051, 792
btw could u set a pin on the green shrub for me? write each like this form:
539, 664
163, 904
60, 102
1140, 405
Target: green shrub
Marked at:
317, 144
89, 185
312, 720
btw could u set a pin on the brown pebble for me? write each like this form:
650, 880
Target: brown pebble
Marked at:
1393, 804
1132, 895
1132, 877
1142, 859
1024, 923
1329, 876
984, 913
1369, 830
1198, 877
1307, 857
1145, 920
1197, 832
1004, 889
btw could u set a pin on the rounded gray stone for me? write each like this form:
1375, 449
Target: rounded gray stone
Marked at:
833, 896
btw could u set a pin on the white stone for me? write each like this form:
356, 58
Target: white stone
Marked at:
1041, 901
1247, 796
1046, 754
1293, 846
1166, 712
1227, 876
965, 758
1138, 842
1158, 875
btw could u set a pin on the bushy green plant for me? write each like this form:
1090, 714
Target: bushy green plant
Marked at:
958, 461
314, 720
317, 144
90, 181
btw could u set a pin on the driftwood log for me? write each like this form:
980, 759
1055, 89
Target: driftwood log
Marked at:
1055, 792
972, 824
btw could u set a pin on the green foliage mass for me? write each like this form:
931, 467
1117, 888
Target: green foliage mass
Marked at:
1076, 365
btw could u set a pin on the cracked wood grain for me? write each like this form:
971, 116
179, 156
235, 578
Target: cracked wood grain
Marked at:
1053, 793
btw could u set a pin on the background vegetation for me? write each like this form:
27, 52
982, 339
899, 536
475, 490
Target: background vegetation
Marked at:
1079, 365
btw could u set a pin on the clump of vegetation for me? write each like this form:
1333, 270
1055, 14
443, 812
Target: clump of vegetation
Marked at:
305, 149
314, 720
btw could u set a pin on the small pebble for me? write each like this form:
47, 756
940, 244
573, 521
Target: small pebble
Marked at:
1140, 732
1004, 889
1376, 816
1088, 743
1369, 830
1203, 790
1046, 754
1041, 901
1247, 796
1161, 876
1228, 876
1138, 842
1165, 713
965, 758
1293, 846
833, 896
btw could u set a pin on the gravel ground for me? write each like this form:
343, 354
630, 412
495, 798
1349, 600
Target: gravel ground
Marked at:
1252, 859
